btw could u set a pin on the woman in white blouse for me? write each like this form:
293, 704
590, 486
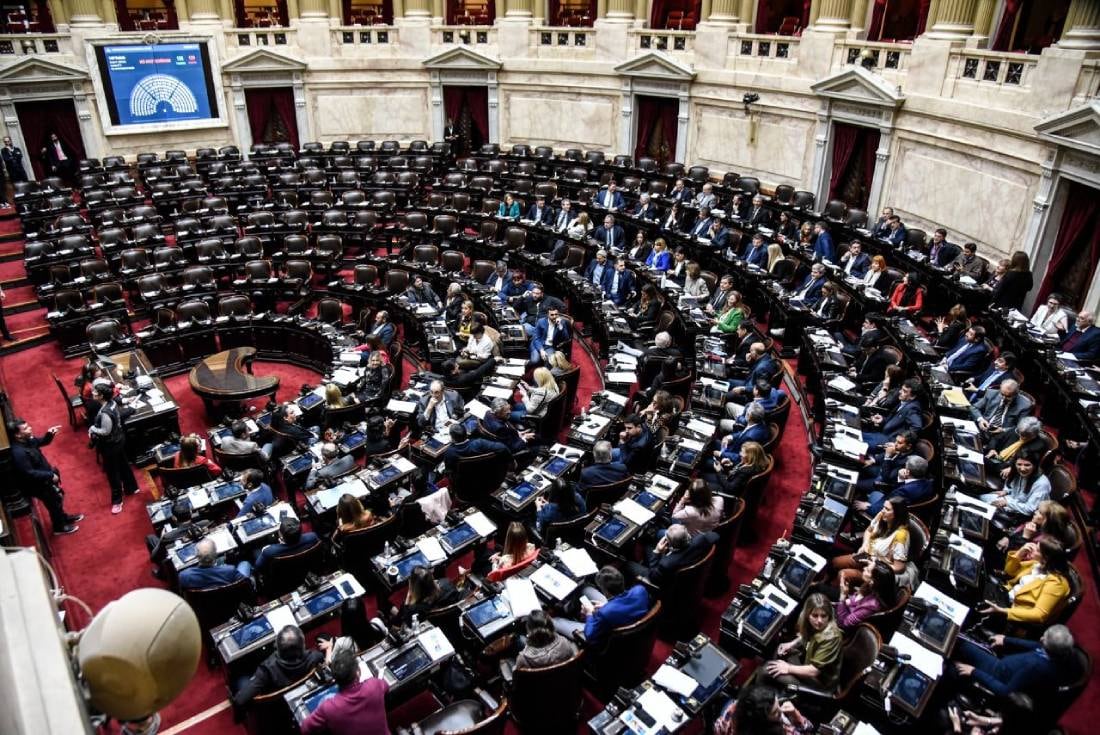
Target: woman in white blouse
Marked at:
580, 227
694, 285
876, 275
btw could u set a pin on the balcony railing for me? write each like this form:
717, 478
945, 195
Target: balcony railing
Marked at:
885, 57
562, 42
34, 44
763, 46
364, 36
993, 68
463, 35
253, 37
658, 40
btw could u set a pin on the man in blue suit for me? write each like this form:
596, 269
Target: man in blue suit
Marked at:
463, 446
539, 212
291, 540
497, 422
701, 226
808, 293
1027, 667
913, 487
824, 249
609, 198
906, 416
634, 439
516, 287
754, 430
612, 606
756, 252
896, 233
552, 333
618, 283
208, 573
679, 192
881, 227
645, 209
609, 235
602, 471
941, 253
855, 262
499, 279
1083, 338
969, 356
717, 233
597, 268
1001, 368
384, 328
761, 368
763, 395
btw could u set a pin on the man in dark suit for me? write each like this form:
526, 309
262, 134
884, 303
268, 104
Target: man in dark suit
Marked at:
419, 292
991, 377
597, 267
290, 662
675, 551
291, 541
634, 440
717, 301
618, 283
609, 235
602, 471
941, 253
13, 161
539, 212
334, 465
463, 446
439, 407
701, 226
808, 292
881, 227
718, 235
969, 356
1027, 667
564, 216
180, 526
36, 477
500, 277
535, 305
855, 262
753, 430
516, 288
646, 209
609, 197
679, 193
208, 573
455, 377
59, 157
498, 423
881, 469
661, 350
913, 487
906, 416
1000, 409
967, 263
896, 235
756, 252
761, 367
824, 249
757, 215
1083, 338
383, 328
552, 333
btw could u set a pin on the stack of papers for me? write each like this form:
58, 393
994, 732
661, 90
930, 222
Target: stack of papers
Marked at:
634, 511
923, 660
552, 582
577, 561
675, 681
947, 606
432, 550
280, 617
842, 384
481, 523
435, 643
520, 595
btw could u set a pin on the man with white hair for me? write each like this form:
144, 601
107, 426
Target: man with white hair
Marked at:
1083, 339
332, 465
596, 269
662, 349
706, 197
1027, 667
602, 471
676, 549
439, 408
757, 216
208, 573
645, 209
498, 423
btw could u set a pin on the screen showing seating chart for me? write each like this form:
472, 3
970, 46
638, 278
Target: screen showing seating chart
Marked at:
162, 83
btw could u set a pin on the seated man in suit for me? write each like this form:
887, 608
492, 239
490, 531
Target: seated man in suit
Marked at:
675, 550
753, 430
619, 283
717, 233
609, 235
757, 215
499, 278
634, 440
291, 541
881, 469
882, 224
763, 395
383, 328
208, 573
439, 408
534, 306
855, 262
905, 416
808, 293
609, 605
706, 197
969, 356
661, 350
824, 249
179, 527
609, 197
1083, 338
756, 252
968, 263
290, 662
419, 292
597, 267
454, 376
1001, 368
333, 465
761, 367
552, 333
872, 361
516, 287
1027, 439
701, 226
913, 486
740, 347
498, 423
941, 253
563, 217
538, 212
896, 234
717, 301
679, 192
1000, 409
603, 470
1034, 668
645, 209
463, 446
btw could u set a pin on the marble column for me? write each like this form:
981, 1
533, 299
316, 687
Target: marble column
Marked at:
954, 20
1082, 26
748, 13
314, 8
620, 9
833, 16
858, 18
724, 11
84, 12
203, 9
519, 9
418, 9
983, 18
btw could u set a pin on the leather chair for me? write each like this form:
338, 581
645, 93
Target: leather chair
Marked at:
193, 310
238, 461
397, 281
836, 211
680, 598
1063, 483
729, 531
571, 531
258, 270
428, 254
484, 716
803, 200
67, 300
108, 293
183, 477
105, 331
356, 548
236, 305
538, 714
215, 605
365, 275
859, 653
268, 714
481, 269
73, 403
452, 261
445, 225
330, 311
674, 169
754, 496
623, 659
608, 494
199, 276
284, 573
784, 194
549, 425
474, 478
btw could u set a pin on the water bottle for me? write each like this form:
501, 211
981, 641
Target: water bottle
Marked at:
416, 622
387, 551
769, 567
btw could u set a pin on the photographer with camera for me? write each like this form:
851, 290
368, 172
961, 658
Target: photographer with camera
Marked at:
38, 478
109, 439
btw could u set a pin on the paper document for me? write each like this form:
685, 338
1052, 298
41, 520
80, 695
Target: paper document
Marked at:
658, 706
521, 597
927, 662
675, 680
481, 523
842, 383
975, 505
431, 549
849, 446
808, 557
476, 408
552, 582
350, 580
329, 497
955, 397
777, 599
401, 406
435, 643
965, 546
280, 617
634, 511
947, 605
402, 464
621, 377
578, 562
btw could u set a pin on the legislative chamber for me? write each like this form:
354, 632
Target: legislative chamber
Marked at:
549, 366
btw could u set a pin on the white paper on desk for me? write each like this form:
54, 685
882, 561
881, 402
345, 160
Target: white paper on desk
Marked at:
661, 708
400, 406
494, 392
964, 425
350, 357
841, 473
435, 643
1067, 357
357, 589
698, 426
403, 464
976, 505
198, 497
431, 549
616, 398
513, 371
345, 376
552, 582
965, 546
632, 351
481, 523
969, 454
778, 599
922, 659
808, 557
691, 444
947, 605
849, 446
520, 595
841, 383
328, 497
516, 362
578, 562
476, 408
634, 511
863, 728
280, 617
675, 681
621, 377
845, 407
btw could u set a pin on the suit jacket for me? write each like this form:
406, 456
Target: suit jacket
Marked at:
29, 461
1038, 600
703, 199
603, 473
684, 195
991, 374
51, 154
700, 227
624, 609
308, 539
756, 255
659, 261
562, 334
881, 228
912, 491
647, 211
531, 311
505, 433
470, 448
970, 360
906, 417
720, 239
824, 248
666, 567
1012, 289
561, 219
338, 467
512, 289
491, 280
828, 308
617, 238
1024, 667
762, 369
976, 267
945, 255
989, 405
1086, 346
814, 291
760, 217
13, 161
626, 286
200, 578
718, 298
872, 368
638, 444
545, 217
897, 237
424, 296
601, 199
859, 265
455, 408
385, 332
590, 271
752, 433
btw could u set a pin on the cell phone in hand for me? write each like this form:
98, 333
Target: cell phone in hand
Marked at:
585, 602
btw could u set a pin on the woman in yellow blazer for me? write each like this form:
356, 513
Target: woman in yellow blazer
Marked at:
1038, 583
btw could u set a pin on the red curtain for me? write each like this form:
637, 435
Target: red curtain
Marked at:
658, 14
476, 99
650, 111
869, 145
125, 22
670, 110
844, 145
763, 16
646, 110
39, 119
925, 6
262, 105
241, 15
283, 13
1082, 206
43, 15
1003, 39
878, 18
806, 4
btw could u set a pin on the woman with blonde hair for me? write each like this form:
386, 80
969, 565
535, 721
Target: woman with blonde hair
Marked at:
694, 283
351, 516
730, 478
536, 399
775, 255
189, 456
814, 657
580, 227
559, 364
333, 397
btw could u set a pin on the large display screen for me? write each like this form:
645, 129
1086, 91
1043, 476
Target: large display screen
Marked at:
163, 83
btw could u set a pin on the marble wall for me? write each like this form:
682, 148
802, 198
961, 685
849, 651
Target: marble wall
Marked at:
774, 147
357, 113
558, 117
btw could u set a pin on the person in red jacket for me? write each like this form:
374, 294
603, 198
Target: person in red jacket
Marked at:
359, 708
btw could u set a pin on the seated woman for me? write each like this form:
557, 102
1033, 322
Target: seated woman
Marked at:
334, 397
545, 646
660, 412
678, 271
188, 456
372, 344
659, 259
455, 299
537, 398
516, 548
886, 539
580, 227
951, 328
351, 516
786, 229
694, 283
814, 657
758, 711
508, 208
732, 479
699, 510
1038, 584
1050, 520
639, 250
559, 364
885, 394
1025, 487
564, 504
649, 305
908, 296
259, 492
876, 590
426, 593
377, 376
464, 323
731, 315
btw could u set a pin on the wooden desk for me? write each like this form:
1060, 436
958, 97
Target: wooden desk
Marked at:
227, 377
153, 420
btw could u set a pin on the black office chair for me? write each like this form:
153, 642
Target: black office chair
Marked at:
284, 573
680, 598
535, 712
623, 659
